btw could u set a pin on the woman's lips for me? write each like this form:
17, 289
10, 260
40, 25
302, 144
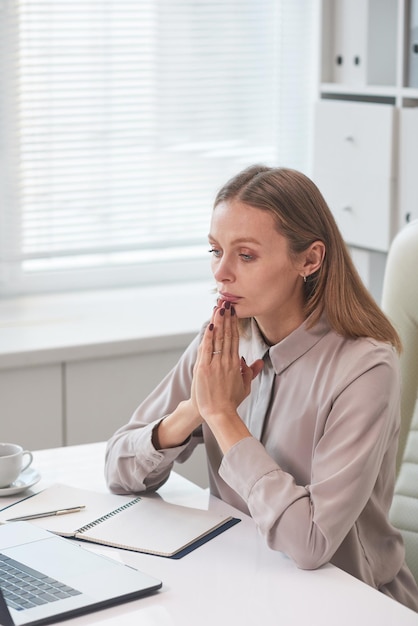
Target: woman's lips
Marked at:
229, 297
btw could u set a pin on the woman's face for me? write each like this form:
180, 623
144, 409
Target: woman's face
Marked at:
253, 269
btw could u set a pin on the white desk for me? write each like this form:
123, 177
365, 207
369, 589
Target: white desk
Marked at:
233, 580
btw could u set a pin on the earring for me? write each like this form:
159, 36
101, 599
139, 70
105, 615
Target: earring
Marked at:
304, 279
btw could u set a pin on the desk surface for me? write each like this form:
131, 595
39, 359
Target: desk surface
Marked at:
232, 580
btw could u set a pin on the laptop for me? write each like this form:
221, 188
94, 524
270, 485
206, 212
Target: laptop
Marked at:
60, 579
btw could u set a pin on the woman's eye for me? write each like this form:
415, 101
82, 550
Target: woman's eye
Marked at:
215, 252
246, 257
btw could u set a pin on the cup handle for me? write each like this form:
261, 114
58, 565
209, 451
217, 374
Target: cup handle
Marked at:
29, 461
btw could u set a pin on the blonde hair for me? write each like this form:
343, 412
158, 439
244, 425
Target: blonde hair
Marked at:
302, 216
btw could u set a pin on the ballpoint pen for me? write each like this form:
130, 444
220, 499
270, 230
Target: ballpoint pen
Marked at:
24, 518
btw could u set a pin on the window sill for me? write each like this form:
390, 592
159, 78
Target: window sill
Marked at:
73, 326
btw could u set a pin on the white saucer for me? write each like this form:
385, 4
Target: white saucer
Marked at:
27, 479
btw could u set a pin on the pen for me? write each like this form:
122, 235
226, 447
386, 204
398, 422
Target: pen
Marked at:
24, 518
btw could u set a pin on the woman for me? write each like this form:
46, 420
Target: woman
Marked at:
293, 386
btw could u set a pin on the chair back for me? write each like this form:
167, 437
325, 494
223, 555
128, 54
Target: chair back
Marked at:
400, 303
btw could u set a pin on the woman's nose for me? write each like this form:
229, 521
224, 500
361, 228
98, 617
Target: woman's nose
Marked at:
222, 270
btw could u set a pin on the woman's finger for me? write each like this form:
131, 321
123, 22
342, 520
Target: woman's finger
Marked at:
249, 372
218, 344
206, 347
235, 332
225, 313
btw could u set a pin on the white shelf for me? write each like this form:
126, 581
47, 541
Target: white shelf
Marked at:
377, 91
410, 93
366, 59
370, 92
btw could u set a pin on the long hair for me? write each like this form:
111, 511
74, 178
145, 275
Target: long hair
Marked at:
302, 216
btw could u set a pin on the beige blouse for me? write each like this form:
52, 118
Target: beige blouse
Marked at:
317, 475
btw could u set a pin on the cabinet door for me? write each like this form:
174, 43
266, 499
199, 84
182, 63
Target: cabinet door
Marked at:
31, 406
408, 166
353, 168
102, 394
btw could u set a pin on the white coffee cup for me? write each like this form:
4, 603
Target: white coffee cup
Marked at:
12, 462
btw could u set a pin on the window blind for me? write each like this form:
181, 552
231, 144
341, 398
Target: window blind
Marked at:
120, 119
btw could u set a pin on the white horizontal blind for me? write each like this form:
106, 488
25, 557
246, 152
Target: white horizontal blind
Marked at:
120, 120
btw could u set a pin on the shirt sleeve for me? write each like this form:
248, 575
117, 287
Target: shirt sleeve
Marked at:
132, 464
309, 522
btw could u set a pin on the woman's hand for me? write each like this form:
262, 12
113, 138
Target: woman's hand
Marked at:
174, 429
222, 380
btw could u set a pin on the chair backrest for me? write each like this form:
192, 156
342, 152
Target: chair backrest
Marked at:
404, 509
400, 303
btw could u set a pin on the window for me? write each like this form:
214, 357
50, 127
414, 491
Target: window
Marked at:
120, 119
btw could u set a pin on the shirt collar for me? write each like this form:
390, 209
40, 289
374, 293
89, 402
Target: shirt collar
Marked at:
292, 347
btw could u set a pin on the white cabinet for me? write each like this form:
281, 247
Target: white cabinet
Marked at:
366, 133
102, 394
408, 164
353, 167
31, 406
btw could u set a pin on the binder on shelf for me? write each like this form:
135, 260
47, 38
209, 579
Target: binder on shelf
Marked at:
413, 46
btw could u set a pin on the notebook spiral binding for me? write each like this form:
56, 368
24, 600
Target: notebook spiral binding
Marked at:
99, 520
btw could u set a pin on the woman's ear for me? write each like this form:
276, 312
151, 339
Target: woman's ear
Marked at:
313, 258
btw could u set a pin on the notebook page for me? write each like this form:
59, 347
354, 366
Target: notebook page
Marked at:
155, 526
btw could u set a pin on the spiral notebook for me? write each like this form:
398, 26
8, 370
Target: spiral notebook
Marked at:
143, 524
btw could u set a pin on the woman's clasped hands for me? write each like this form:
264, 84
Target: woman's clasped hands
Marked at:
222, 379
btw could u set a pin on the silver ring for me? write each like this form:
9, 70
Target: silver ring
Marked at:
217, 352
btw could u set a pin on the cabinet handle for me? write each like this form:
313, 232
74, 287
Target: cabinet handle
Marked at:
347, 209
349, 138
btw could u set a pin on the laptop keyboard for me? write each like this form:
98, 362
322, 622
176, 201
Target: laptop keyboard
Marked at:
24, 587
